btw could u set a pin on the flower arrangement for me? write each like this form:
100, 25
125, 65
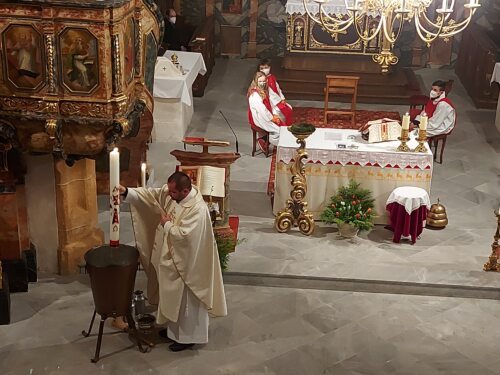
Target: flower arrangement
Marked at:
351, 205
302, 128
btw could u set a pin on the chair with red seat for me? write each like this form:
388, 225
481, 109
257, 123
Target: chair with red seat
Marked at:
260, 133
434, 142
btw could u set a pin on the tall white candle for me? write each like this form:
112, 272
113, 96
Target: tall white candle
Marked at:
423, 121
406, 121
114, 193
143, 174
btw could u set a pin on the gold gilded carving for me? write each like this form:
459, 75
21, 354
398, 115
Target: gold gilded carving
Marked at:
83, 109
493, 264
289, 32
385, 58
51, 67
117, 70
51, 128
139, 41
299, 27
27, 105
296, 212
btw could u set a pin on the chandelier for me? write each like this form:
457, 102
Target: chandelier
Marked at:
389, 17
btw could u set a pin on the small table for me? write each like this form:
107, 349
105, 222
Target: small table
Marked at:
173, 94
408, 207
495, 77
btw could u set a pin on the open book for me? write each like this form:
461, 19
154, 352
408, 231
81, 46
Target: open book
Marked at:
382, 130
210, 180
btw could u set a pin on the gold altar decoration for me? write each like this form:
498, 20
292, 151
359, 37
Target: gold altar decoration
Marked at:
422, 138
436, 217
493, 264
403, 147
392, 15
296, 212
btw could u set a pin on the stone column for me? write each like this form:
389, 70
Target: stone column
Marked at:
76, 208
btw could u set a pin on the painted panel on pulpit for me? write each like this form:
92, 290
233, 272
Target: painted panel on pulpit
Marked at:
23, 57
129, 41
79, 60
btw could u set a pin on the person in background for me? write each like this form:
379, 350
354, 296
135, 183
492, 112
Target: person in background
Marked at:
260, 112
440, 111
172, 37
279, 105
179, 255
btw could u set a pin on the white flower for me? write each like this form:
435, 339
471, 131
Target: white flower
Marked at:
342, 203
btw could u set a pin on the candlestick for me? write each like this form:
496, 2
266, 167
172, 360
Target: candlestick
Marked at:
423, 121
422, 137
114, 182
403, 147
406, 121
143, 174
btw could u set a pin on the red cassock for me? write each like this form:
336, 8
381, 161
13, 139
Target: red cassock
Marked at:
283, 107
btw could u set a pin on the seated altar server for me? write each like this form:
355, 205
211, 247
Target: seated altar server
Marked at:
278, 103
178, 252
260, 113
440, 110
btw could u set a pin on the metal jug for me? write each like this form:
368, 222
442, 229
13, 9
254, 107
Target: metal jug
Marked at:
139, 303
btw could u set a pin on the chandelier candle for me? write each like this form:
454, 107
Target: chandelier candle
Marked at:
114, 193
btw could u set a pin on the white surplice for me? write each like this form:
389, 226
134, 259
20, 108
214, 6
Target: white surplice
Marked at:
262, 117
442, 120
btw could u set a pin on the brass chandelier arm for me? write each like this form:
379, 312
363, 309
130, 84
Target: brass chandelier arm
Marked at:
449, 30
420, 27
335, 29
374, 34
389, 26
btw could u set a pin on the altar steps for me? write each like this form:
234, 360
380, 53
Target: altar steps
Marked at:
303, 78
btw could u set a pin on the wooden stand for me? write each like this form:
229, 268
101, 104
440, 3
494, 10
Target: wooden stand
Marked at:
221, 160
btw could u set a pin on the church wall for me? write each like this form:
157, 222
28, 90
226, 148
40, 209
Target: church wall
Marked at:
41, 207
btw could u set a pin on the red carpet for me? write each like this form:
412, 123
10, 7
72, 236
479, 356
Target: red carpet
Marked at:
315, 116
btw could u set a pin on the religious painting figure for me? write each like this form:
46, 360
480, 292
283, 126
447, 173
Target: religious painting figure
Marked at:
128, 41
23, 48
79, 52
179, 255
231, 6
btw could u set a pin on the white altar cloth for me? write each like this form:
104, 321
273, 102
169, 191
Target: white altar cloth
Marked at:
173, 95
377, 166
495, 77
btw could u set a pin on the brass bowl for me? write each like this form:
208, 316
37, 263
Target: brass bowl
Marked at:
434, 216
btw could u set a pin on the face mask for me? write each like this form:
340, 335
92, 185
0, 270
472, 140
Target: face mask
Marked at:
433, 94
172, 20
266, 71
262, 85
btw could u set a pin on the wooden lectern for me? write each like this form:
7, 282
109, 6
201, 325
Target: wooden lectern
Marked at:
220, 160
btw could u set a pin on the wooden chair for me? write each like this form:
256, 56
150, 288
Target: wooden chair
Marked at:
341, 85
434, 142
256, 134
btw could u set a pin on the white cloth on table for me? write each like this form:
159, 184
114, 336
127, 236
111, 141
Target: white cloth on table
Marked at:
322, 147
410, 197
442, 120
179, 86
263, 118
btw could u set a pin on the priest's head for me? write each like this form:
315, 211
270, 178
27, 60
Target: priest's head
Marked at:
179, 186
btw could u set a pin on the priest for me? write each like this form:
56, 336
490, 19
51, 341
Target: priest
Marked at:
178, 252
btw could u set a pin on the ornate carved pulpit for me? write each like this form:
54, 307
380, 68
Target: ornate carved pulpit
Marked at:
77, 80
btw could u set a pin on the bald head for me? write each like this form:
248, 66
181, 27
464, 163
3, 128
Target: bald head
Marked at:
179, 186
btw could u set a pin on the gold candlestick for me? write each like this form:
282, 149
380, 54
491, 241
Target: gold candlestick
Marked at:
295, 213
493, 264
422, 138
403, 147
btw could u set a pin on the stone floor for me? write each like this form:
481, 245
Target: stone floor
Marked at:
363, 306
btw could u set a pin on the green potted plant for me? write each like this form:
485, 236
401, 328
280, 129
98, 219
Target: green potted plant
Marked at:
351, 209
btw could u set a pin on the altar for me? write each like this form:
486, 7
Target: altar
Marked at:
173, 95
337, 155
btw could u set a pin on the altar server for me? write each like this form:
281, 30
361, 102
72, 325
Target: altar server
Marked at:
278, 103
260, 112
179, 254
440, 110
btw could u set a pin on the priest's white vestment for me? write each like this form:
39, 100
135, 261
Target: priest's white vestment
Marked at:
180, 260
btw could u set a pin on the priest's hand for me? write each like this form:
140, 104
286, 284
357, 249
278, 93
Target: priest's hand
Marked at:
122, 189
165, 218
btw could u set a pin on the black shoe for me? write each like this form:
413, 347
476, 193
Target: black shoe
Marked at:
163, 334
178, 347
